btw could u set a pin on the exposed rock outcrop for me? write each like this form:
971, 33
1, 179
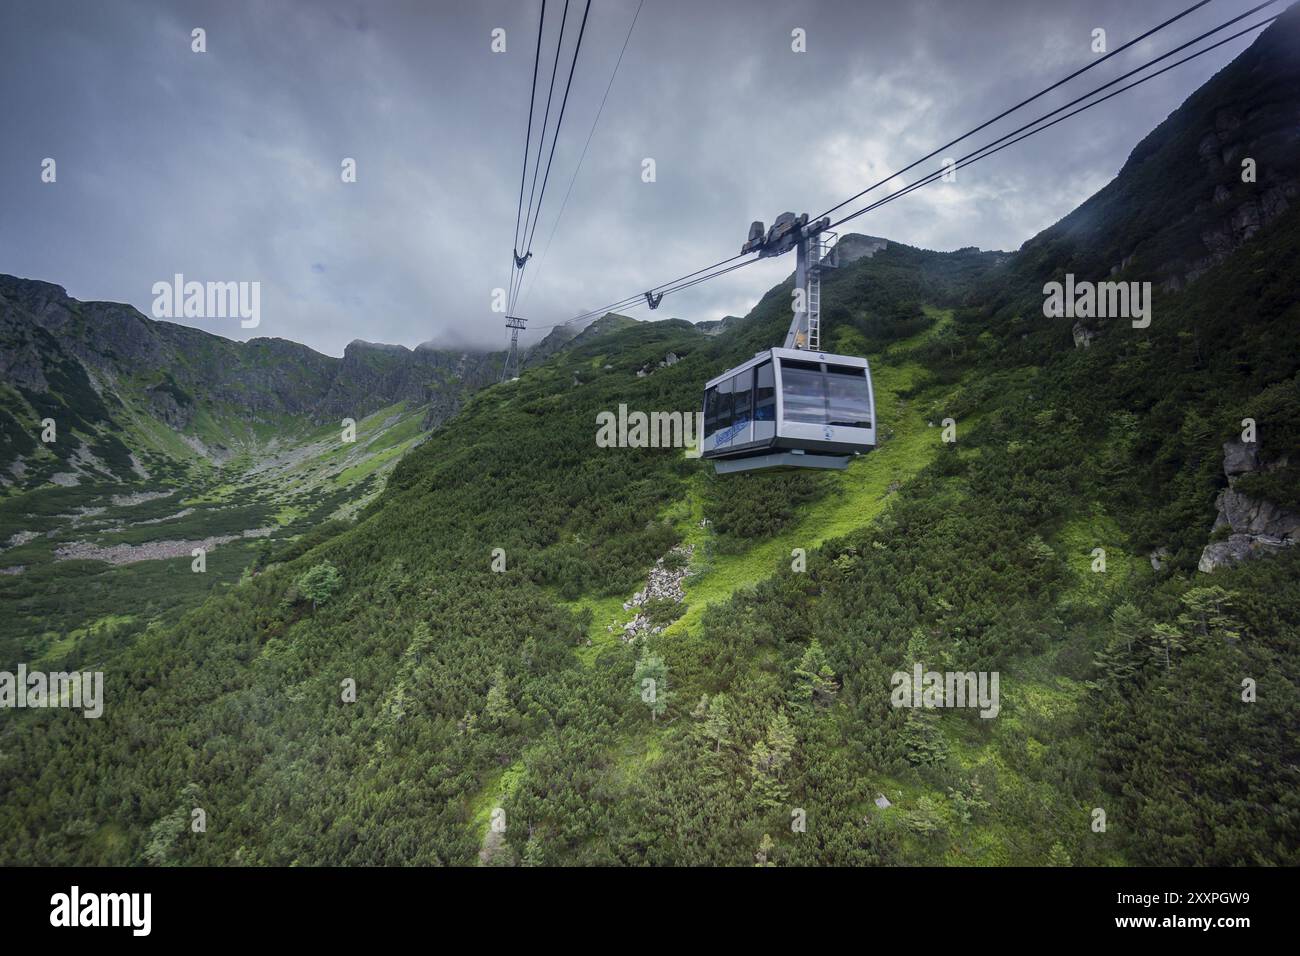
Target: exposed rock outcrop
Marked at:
150, 550
667, 361
1256, 528
714, 327
170, 406
663, 583
854, 246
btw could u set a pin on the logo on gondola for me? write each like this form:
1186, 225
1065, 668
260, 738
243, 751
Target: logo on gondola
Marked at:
726, 436
828, 433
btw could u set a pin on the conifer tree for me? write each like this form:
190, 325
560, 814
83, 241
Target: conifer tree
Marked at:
814, 680
650, 684
717, 725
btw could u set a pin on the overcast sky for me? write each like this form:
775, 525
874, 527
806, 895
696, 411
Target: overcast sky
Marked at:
225, 165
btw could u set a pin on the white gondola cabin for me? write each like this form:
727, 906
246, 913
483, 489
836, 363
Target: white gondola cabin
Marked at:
790, 408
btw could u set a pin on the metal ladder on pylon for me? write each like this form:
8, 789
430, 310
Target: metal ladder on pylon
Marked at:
814, 305
822, 256
814, 253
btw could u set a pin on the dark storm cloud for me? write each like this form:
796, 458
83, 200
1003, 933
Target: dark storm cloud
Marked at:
226, 165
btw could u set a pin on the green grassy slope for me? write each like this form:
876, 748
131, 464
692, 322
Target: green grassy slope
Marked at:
964, 556
573, 521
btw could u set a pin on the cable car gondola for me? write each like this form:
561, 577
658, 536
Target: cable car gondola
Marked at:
794, 406
789, 408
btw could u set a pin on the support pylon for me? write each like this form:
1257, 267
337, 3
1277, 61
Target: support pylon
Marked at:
514, 323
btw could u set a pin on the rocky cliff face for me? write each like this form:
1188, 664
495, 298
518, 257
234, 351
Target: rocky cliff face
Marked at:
855, 246
1235, 210
470, 371
1255, 527
424, 375
715, 327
